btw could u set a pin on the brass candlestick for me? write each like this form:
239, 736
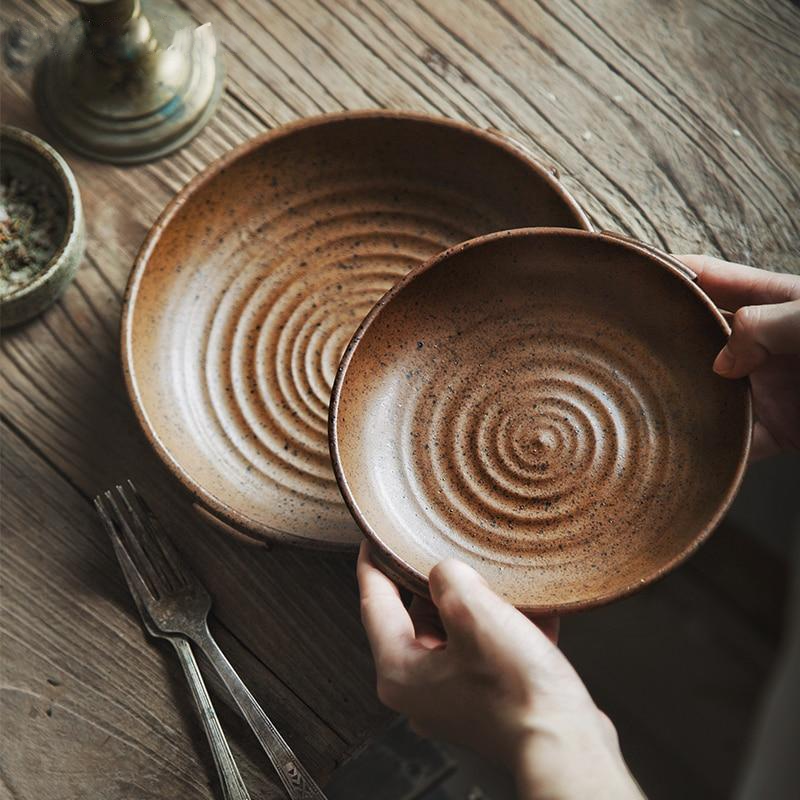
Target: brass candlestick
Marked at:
129, 80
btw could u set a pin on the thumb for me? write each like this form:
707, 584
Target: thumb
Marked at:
462, 597
473, 614
758, 332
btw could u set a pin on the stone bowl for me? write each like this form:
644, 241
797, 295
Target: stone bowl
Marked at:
30, 158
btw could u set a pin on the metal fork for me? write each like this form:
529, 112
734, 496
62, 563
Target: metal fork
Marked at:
233, 787
178, 604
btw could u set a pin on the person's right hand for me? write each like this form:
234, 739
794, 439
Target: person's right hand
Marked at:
764, 344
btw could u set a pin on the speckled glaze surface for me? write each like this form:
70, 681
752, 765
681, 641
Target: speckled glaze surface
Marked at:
540, 404
252, 282
27, 156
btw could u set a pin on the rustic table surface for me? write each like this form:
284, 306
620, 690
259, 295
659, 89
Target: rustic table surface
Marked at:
676, 122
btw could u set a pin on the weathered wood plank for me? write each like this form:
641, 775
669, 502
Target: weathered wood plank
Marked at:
297, 612
91, 707
675, 122
567, 73
73, 406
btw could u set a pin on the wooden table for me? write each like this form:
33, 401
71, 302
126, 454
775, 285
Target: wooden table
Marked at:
676, 122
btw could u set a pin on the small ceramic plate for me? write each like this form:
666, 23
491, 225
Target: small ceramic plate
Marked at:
541, 405
250, 285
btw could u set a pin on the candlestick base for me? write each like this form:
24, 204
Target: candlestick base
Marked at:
130, 80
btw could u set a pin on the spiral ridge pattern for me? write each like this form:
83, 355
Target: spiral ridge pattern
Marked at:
271, 312
533, 464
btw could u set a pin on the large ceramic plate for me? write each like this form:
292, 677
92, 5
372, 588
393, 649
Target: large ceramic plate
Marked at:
541, 405
250, 285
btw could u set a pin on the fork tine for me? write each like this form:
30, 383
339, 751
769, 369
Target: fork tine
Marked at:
130, 529
160, 537
138, 587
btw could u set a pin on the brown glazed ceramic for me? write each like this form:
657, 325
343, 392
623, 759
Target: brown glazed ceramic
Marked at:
540, 404
255, 277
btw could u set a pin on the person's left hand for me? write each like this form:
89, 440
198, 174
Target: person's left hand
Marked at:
471, 669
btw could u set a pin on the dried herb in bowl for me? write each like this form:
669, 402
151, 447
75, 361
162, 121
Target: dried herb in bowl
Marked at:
42, 230
32, 226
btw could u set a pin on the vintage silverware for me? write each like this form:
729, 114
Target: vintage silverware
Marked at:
145, 593
179, 604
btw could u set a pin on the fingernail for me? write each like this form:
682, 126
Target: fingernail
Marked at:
724, 363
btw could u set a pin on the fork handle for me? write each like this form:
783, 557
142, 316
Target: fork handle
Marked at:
298, 783
233, 787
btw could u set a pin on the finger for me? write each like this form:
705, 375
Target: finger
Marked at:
471, 613
732, 286
758, 332
550, 626
763, 444
456, 591
427, 624
386, 621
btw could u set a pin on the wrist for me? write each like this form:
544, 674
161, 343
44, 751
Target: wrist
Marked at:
571, 756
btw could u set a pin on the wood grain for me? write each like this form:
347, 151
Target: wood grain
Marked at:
90, 706
676, 122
